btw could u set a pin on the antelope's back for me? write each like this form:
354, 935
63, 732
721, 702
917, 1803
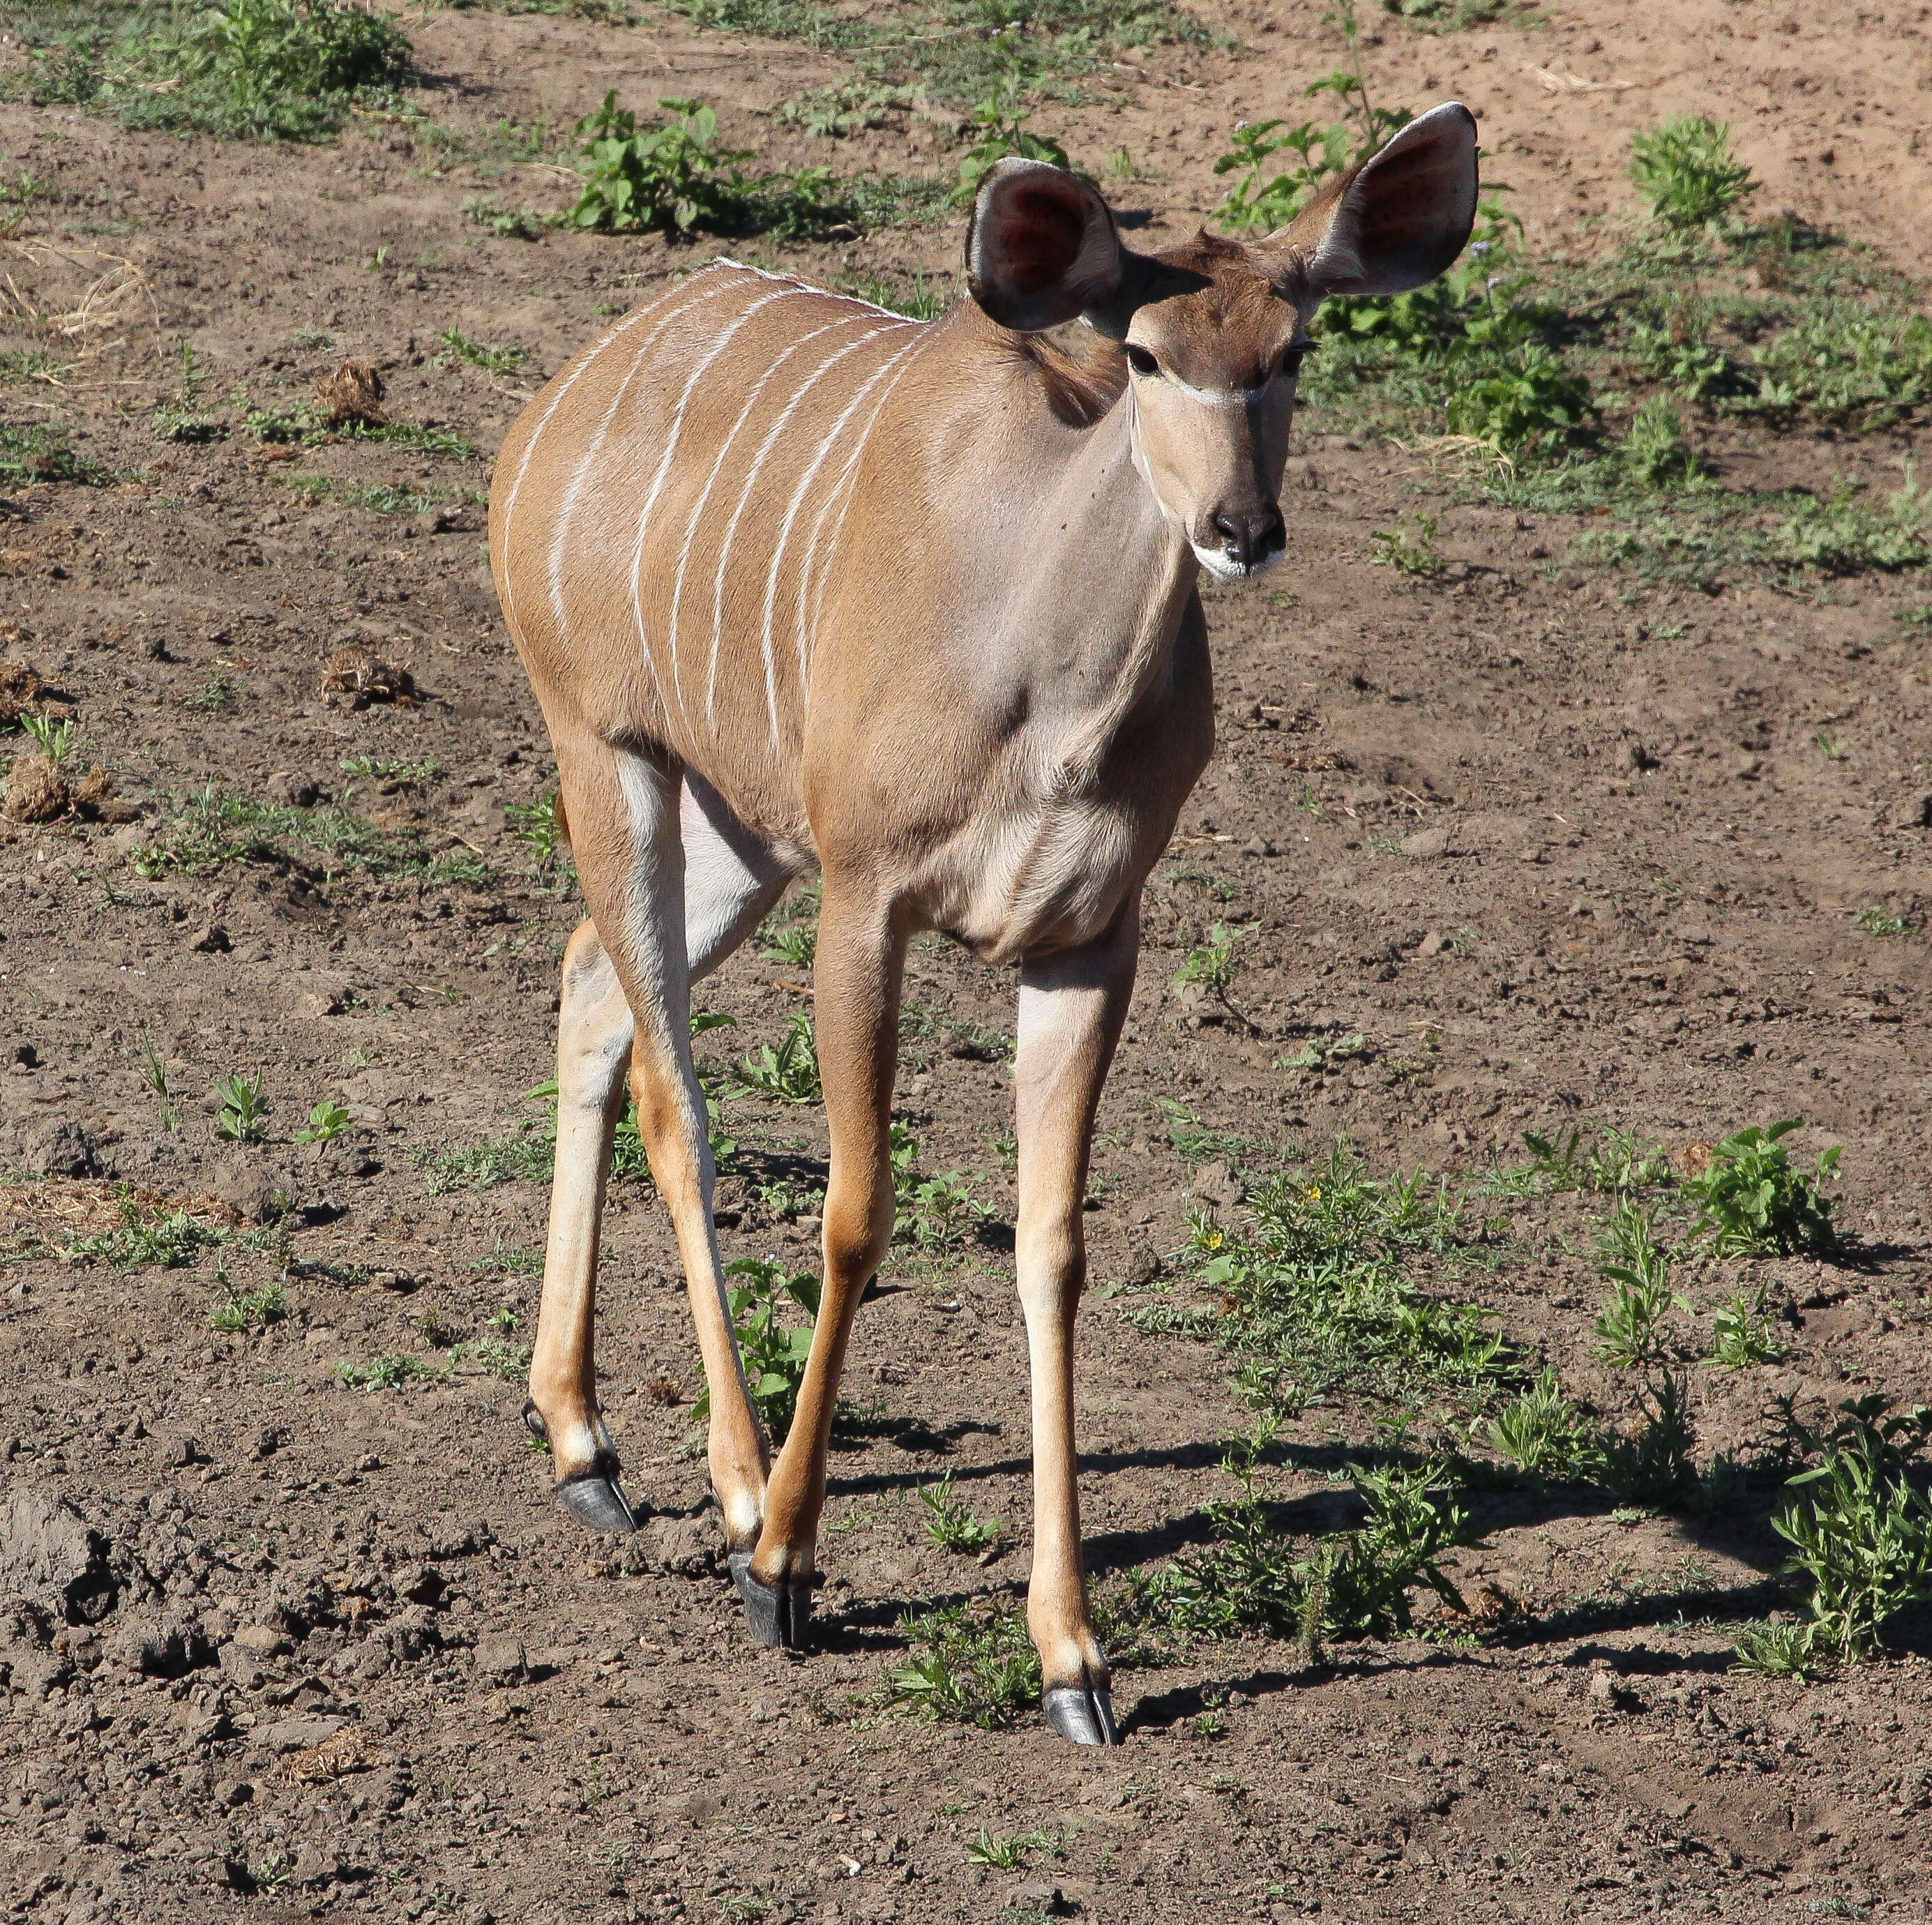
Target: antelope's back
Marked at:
662, 515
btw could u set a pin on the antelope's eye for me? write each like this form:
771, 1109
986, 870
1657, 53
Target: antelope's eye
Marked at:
1292, 359
1140, 361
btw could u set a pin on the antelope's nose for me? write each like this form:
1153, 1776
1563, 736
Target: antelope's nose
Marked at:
1250, 539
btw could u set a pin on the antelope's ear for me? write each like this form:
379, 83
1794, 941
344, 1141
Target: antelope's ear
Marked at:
1041, 248
1399, 218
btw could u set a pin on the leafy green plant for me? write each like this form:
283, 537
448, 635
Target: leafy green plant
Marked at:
215, 696
244, 1310
510, 1362
492, 360
1754, 1203
326, 1121
167, 1239
1879, 922
538, 827
260, 69
1655, 453
242, 1116
790, 934
1780, 1650
56, 738
1324, 1052
155, 1073
1007, 1854
949, 1523
1531, 402
1414, 554
1653, 1470
1840, 536
788, 1074
671, 176
969, 1665
1685, 168
1862, 1531
773, 1354
1742, 1335
507, 223
1212, 966
389, 1372
936, 1213
1545, 1433
1631, 1326
1001, 130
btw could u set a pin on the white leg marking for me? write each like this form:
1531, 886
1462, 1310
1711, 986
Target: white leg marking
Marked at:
697, 512
589, 361
751, 481
832, 495
664, 467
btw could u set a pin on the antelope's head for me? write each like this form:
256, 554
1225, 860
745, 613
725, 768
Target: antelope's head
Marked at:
1214, 331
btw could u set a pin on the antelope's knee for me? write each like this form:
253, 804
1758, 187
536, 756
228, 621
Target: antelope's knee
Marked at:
857, 1233
1050, 1263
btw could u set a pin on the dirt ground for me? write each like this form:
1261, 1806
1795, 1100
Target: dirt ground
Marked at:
279, 1648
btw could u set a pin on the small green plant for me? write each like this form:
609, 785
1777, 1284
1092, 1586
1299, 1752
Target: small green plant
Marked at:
1213, 965
1655, 453
773, 1354
244, 1310
968, 1666
937, 1211
949, 1523
1879, 922
1324, 1052
1631, 1328
215, 696
507, 223
1001, 131
390, 1373
155, 1073
167, 1239
1754, 1203
1010, 1854
1685, 168
1653, 1469
1411, 555
55, 738
1545, 1433
242, 1116
538, 826
788, 1074
1742, 1334
326, 1121
1840, 535
480, 354
671, 176
1862, 1531
509, 1361
1780, 1650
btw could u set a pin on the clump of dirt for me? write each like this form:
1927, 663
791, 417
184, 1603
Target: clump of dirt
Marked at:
350, 396
361, 677
19, 692
41, 790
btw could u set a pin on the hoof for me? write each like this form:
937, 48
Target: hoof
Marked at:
780, 1617
592, 1496
1083, 1714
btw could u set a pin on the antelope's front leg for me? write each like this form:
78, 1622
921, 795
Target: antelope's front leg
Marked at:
856, 979
1071, 1009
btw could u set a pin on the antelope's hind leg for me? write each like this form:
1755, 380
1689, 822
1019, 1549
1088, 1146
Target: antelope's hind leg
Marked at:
593, 1046
624, 814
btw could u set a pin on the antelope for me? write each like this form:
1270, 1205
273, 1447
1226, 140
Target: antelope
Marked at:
800, 582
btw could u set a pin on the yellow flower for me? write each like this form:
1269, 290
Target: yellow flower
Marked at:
1314, 1192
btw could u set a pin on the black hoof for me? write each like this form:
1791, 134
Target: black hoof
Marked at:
592, 1496
1081, 1714
781, 1617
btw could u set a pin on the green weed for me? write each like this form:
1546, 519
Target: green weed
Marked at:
326, 1121
790, 934
1742, 1334
155, 1073
538, 827
1545, 1433
969, 1666
936, 1213
211, 826
1655, 453
1414, 554
1001, 130
1840, 536
949, 1522
671, 176
1754, 1203
167, 1239
389, 1372
481, 354
38, 451
1212, 966
510, 1362
773, 1354
1324, 1052
1878, 922
244, 1310
1632, 1326
242, 1117
1007, 1854
258, 70
1780, 1650
215, 696
1862, 1532
56, 740
788, 1074
1199, 1142
1653, 1469
1685, 168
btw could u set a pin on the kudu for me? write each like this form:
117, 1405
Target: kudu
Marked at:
800, 582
